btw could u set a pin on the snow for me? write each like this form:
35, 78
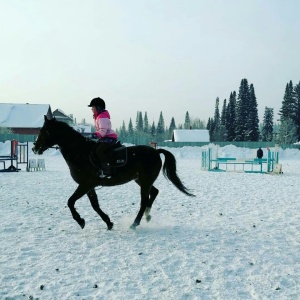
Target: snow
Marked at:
238, 239
23, 115
195, 135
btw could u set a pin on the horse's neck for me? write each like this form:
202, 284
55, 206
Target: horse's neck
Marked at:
67, 137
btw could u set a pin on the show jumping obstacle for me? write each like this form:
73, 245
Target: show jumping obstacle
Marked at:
255, 165
18, 155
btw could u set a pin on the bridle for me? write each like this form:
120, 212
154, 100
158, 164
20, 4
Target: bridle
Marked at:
42, 144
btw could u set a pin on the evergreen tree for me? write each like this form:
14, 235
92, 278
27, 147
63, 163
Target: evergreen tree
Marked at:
242, 109
267, 129
5, 130
123, 130
287, 110
211, 127
197, 124
223, 113
187, 122
288, 132
222, 129
231, 117
146, 123
161, 124
217, 114
153, 129
215, 123
172, 127
297, 109
139, 122
252, 132
130, 128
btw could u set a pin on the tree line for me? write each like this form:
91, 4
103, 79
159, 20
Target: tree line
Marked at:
159, 131
237, 120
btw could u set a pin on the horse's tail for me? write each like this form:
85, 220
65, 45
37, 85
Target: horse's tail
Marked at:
169, 171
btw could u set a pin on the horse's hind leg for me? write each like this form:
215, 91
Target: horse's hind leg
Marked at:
95, 204
144, 202
153, 194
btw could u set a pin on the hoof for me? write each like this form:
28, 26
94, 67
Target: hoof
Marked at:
148, 218
81, 223
133, 226
110, 226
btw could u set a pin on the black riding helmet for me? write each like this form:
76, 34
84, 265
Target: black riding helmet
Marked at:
98, 102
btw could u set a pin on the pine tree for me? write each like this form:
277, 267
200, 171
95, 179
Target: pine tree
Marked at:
197, 123
210, 127
130, 128
242, 109
153, 129
223, 113
267, 129
187, 121
123, 130
222, 129
217, 114
172, 127
146, 123
139, 122
297, 109
252, 132
161, 124
287, 110
288, 132
5, 130
231, 117
215, 123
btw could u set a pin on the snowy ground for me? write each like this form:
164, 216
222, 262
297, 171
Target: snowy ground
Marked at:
238, 239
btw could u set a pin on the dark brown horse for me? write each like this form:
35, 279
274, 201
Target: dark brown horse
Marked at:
142, 165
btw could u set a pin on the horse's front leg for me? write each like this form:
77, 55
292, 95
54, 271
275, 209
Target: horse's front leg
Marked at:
95, 204
80, 191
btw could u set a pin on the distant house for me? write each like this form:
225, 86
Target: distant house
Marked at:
24, 118
84, 129
61, 116
190, 135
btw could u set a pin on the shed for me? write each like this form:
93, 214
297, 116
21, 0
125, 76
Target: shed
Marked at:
190, 135
61, 116
24, 118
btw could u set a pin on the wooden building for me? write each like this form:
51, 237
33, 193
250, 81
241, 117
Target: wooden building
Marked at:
24, 118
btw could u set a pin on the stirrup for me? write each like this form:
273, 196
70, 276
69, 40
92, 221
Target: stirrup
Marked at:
102, 175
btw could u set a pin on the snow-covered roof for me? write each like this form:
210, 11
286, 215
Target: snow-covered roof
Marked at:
14, 115
191, 135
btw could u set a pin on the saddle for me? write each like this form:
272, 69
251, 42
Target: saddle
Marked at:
114, 157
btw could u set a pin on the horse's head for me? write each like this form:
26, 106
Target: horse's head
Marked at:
45, 138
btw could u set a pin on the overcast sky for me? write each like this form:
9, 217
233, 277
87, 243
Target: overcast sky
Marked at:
140, 55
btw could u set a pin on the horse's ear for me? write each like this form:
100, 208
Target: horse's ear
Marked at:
46, 118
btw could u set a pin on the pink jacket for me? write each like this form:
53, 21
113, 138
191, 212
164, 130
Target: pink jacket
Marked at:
103, 125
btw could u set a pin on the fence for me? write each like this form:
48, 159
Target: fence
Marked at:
139, 140
22, 138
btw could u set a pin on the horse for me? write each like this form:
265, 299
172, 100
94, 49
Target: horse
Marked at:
143, 165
